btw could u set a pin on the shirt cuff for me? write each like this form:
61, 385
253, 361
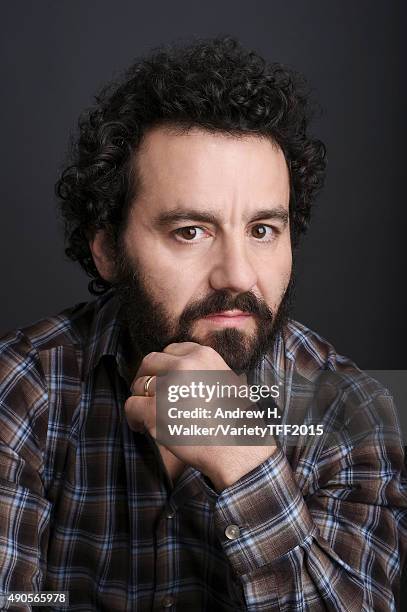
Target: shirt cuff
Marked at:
262, 516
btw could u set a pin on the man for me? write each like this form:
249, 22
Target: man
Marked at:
190, 185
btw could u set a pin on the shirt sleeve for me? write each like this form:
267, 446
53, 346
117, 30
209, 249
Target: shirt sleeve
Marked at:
24, 510
330, 535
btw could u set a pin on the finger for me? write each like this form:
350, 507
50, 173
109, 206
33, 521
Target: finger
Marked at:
181, 348
137, 386
157, 363
140, 413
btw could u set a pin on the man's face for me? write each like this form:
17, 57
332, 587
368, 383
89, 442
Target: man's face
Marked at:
206, 252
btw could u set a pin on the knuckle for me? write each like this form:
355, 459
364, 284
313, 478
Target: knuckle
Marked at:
208, 350
132, 403
169, 346
133, 387
206, 354
129, 404
195, 346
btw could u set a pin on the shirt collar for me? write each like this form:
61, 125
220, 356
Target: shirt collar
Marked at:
106, 336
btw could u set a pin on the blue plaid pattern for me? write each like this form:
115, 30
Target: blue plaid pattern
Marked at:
86, 505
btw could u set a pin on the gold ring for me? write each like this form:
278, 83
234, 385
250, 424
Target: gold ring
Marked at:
147, 384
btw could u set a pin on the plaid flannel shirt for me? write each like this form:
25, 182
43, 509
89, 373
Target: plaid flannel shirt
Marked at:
86, 505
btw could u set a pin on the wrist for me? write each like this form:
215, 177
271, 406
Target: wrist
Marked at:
228, 471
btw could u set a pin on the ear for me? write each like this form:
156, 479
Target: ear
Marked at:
101, 249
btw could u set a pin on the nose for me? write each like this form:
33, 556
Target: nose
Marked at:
232, 269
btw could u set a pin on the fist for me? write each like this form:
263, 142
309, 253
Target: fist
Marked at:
222, 464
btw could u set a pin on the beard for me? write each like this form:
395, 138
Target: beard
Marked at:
151, 328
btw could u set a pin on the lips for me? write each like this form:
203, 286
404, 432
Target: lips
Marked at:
230, 314
228, 318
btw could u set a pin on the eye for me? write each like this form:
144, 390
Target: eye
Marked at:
191, 233
263, 232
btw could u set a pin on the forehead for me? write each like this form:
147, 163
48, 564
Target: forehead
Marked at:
212, 169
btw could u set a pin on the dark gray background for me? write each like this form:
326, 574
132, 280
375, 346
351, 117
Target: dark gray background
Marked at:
55, 55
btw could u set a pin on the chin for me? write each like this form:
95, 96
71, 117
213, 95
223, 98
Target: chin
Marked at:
237, 348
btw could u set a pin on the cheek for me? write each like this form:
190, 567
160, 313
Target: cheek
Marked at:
173, 285
274, 277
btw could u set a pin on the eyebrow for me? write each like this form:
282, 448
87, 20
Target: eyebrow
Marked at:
189, 214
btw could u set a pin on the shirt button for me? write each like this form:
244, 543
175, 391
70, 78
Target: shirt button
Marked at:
167, 601
232, 532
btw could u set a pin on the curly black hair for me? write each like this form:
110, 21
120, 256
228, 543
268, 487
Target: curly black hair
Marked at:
214, 84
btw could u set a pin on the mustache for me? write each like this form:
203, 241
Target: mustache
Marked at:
224, 300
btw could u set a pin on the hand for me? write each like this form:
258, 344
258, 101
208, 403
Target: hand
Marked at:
222, 464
